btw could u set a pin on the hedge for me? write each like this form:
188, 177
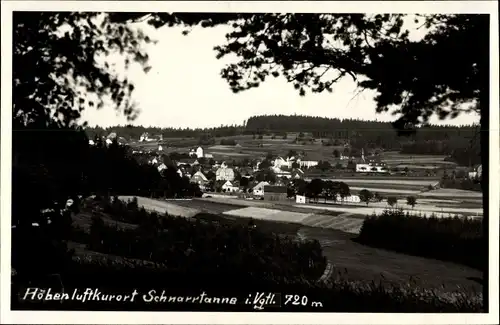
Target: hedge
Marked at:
456, 239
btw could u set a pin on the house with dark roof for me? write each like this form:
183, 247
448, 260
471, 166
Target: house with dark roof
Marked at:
275, 193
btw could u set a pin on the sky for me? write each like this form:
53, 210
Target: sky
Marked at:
184, 89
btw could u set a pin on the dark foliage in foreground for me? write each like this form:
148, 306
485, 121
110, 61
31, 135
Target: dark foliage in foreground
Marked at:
458, 240
207, 248
187, 257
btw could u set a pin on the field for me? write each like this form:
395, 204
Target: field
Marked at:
348, 259
396, 159
248, 147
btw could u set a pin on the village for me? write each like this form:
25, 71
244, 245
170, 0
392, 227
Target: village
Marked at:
278, 178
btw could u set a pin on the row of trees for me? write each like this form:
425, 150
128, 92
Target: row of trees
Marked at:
133, 132
367, 196
318, 188
459, 240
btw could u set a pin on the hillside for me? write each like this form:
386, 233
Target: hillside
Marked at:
459, 142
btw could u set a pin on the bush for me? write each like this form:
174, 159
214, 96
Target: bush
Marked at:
458, 240
461, 184
208, 248
203, 245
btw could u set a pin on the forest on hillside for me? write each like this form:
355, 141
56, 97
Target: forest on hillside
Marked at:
461, 143
319, 127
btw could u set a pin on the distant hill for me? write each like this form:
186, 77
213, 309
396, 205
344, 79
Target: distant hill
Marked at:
334, 127
461, 143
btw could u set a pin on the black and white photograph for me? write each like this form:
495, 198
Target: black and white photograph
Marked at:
264, 161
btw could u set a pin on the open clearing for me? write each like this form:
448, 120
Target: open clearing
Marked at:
387, 181
388, 186
385, 190
163, 207
453, 193
268, 214
379, 208
229, 154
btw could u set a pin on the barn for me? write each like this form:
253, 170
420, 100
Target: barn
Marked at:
275, 193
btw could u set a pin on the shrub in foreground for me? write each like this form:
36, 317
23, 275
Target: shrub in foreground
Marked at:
112, 275
458, 240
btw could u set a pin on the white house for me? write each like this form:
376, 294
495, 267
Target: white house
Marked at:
199, 178
297, 173
144, 137
199, 152
302, 163
300, 199
371, 168
477, 173
209, 155
91, 142
160, 148
349, 199
224, 174
229, 187
259, 188
162, 167
280, 162
109, 141
154, 161
307, 163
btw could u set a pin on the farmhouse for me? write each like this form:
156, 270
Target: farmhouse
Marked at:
122, 141
145, 137
371, 168
259, 188
199, 178
297, 173
230, 187
162, 167
307, 163
302, 163
280, 162
476, 173
348, 199
275, 193
224, 174
300, 199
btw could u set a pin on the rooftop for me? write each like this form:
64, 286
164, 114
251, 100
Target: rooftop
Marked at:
275, 189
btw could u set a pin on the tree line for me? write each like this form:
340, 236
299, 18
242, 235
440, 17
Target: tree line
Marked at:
132, 132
